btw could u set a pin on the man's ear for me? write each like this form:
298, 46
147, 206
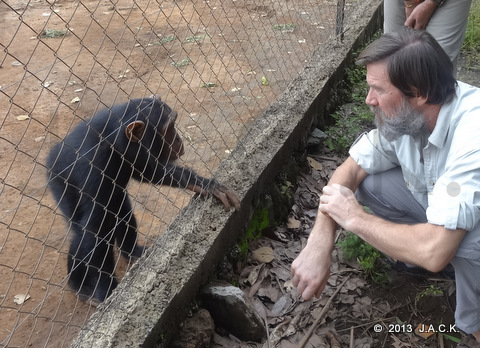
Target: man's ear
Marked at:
419, 99
134, 131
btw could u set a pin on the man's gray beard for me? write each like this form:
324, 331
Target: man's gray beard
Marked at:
404, 121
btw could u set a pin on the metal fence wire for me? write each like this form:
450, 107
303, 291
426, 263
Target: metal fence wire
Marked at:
217, 63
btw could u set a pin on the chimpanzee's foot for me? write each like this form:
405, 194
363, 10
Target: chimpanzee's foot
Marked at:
92, 301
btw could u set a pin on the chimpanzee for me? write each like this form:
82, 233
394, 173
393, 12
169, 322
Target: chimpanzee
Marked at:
88, 173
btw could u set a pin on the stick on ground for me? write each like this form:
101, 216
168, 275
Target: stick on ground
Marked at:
304, 341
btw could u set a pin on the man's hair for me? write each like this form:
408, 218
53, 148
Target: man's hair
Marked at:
415, 62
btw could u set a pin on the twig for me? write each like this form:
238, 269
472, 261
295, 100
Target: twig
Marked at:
440, 341
333, 340
261, 310
325, 158
305, 339
352, 339
367, 324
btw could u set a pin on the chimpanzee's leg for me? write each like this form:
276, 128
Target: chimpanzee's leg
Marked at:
126, 232
90, 260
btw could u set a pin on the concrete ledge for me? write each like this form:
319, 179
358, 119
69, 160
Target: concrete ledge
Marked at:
154, 295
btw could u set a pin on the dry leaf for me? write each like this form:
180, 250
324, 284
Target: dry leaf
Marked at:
20, 298
425, 330
263, 254
314, 164
293, 223
253, 276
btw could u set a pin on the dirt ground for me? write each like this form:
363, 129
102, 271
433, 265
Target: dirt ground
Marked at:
364, 312
113, 50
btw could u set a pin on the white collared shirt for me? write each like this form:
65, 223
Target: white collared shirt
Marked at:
443, 171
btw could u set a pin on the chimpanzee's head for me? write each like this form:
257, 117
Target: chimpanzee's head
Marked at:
154, 129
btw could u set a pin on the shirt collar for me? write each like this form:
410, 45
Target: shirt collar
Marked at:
440, 132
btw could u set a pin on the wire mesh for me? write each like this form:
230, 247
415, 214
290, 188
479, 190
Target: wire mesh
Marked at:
218, 63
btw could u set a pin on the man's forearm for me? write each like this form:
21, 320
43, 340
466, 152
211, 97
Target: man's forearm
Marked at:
426, 245
349, 174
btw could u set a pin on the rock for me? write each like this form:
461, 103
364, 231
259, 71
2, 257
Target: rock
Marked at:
316, 138
232, 311
196, 332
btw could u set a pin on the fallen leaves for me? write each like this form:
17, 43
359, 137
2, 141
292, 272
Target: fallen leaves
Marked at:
344, 318
21, 298
263, 254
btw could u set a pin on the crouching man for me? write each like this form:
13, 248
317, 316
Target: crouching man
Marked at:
418, 171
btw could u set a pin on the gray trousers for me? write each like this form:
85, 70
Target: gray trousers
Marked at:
389, 198
447, 25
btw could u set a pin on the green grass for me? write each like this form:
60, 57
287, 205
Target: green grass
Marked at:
472, 35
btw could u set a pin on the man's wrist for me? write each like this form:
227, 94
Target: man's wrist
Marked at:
438, 2
412, 3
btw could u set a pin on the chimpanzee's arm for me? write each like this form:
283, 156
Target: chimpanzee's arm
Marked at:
186, 178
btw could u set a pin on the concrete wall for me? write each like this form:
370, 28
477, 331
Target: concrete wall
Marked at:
154, 295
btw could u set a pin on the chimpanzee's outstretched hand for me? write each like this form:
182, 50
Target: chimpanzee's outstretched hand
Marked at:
222, 193
225, 195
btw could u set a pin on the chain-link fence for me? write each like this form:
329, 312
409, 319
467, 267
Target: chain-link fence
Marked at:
218, 63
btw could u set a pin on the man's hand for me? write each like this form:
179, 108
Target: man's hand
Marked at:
340, 204
419, 16
311, 269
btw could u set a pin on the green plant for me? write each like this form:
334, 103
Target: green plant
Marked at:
472, 35
194, 39
354, 116
369, 258
182, 63
432, 290
471, 43
260, 221
284, 28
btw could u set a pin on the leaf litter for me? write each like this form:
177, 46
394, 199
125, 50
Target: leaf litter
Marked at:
355, 313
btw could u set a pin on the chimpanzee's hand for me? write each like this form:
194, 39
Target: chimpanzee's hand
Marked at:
224, 194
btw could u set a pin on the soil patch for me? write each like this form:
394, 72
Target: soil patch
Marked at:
63, 60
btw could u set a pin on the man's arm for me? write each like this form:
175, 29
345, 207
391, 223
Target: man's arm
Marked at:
311, 269
427, 245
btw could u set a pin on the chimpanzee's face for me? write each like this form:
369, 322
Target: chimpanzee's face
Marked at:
167, 139
173, 146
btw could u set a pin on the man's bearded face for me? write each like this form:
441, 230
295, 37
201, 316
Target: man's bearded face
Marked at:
404, 120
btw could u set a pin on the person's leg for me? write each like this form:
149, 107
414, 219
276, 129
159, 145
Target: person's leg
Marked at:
467, 313
388, 197
448, 25
393, 15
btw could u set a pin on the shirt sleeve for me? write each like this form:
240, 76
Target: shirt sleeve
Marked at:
373, 153
455, 199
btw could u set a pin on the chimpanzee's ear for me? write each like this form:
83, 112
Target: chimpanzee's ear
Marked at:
134, 131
